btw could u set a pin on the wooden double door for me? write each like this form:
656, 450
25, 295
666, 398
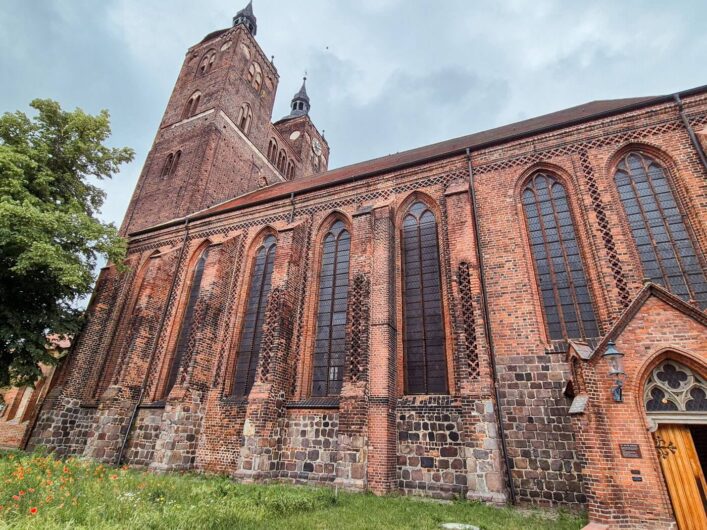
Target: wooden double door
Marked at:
682, 450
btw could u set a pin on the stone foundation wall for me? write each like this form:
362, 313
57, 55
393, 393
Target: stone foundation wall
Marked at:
179, 431
310, 446
63, 426
140, 448
431, 452
541, 445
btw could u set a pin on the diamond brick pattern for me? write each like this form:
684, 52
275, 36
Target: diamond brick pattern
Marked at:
370, 434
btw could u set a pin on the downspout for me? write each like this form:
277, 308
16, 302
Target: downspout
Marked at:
154, 348
292, 203
487, 330
695, 142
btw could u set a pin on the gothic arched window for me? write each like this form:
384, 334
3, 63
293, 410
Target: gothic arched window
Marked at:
281, 161
272, 150
255, 76
185, 330
558, 263
666, 250
192, 105
330, 342
244, 118
207, 61
290, 169
170, 165
424, 337
673, 387
254, 317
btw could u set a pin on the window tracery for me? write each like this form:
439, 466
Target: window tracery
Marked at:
424, 337
192, 105
254, 317
674, 387
245, 115
255, 76
206, 62
330, 342
569, 311
180, 349
170, 166
664, 245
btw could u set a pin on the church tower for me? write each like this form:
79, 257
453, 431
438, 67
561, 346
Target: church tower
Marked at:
216, 140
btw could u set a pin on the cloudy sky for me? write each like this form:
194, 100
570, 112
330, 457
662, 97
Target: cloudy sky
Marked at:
384, 75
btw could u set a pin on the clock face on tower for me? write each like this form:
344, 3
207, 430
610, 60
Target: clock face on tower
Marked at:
316, 147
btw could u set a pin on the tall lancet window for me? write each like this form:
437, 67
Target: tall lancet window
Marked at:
424, 340
254, 317
664, 245
330, 345
569, 311
185, 330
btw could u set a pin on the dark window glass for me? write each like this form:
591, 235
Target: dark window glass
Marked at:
663, 243
330, 345
563, 285
254, 317
166, 168
425, 362
185, 330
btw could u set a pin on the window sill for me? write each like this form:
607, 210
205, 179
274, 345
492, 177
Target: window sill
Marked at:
235, 400
315, 403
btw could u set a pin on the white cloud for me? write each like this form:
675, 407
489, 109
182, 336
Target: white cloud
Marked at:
384, 75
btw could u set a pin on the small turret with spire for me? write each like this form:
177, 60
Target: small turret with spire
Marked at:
246, 18
300, 103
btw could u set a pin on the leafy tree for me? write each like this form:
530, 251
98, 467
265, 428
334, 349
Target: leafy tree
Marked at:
50, 237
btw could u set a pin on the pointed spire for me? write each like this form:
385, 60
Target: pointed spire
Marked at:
246, 17
300, 103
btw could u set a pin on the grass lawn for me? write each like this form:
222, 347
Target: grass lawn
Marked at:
41, 492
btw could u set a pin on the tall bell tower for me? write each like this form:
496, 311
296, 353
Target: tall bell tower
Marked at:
215, 139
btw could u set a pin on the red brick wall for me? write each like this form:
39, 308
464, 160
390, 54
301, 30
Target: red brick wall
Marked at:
218, 161
658, 331
253, 438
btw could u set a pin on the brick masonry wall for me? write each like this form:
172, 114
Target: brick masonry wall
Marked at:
253, 439
658, 331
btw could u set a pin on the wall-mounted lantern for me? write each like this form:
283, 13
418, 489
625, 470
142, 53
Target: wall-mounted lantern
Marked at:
615, 360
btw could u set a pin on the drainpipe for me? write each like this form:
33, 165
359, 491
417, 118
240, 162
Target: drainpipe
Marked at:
292, 203
487, 330
145, 379
690, 132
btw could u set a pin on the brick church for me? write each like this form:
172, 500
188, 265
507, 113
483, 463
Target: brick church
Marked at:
516, 315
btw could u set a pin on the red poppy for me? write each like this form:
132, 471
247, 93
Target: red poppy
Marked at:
16, 497
33, 510
22, 492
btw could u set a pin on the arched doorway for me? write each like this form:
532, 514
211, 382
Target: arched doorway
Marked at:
675, 398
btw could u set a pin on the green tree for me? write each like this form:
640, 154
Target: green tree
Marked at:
50, 237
